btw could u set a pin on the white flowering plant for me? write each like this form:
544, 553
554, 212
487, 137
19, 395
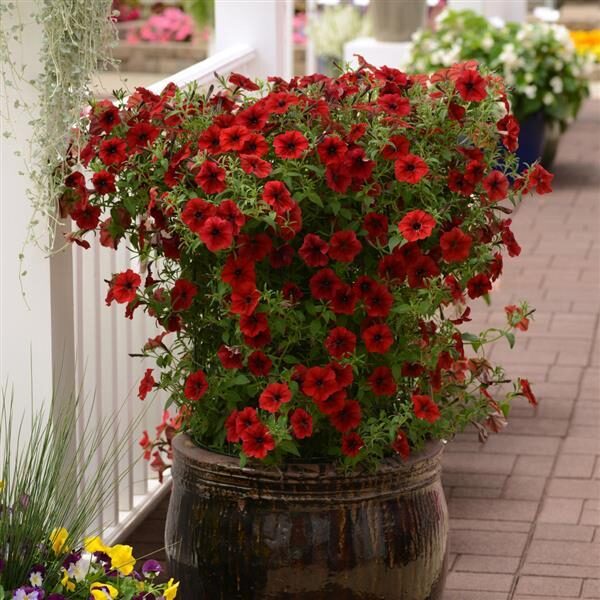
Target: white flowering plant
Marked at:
537, 60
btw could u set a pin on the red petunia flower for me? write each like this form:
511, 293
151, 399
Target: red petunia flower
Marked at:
314, 251
410, 168
146, 384
396, 147
332, 150
290, 145
358, 165
277, 196
376, 226
379, 301
378, 338
508, 239
86, 216
340, 342
289, 222
455, 245
238, 270
141, 135
540, 179
475, 171
244, 299
231, 358
337, 178
195, 212
280, 102
257, 441
254, 165
395, 104
416, 225
211, 178
401, 445
425, 408
245, 418
216, 233
323, 283
471, 86
344, 246
243, 82
196, 386
124, 286
343, 301
526, 391
319, 383
230, 211
456, 112
210, 139
332, 403
255, 247
509, 128
479, 285
459, 182
516, 317
253, 324
291, 292
273, 396
113, 151
363, 286
108, 119
255, 145
392, 267
104, 182
343, 374
496, 186
232, 139
382, 382
231, 435
260, 340
254, 117
259, 364
281, 257
420, 270
348, 417
352, 444
183, 294
302, 424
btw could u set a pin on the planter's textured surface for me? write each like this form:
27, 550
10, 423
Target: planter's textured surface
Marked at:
308, 532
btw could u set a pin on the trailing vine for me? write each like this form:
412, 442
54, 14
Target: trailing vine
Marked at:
77, 36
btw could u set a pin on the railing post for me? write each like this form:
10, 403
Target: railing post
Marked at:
266, 26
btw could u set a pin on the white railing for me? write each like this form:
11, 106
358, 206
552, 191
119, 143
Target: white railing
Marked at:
104, 338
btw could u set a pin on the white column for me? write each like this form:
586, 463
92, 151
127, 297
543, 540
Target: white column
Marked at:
25, 324
266, 25
511, 10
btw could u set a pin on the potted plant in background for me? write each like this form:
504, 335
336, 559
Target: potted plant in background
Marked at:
546, 77
310, 249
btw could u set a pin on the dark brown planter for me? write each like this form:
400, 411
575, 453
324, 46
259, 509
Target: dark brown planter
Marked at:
306, 532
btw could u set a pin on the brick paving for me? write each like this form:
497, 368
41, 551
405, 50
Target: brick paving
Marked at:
525, 507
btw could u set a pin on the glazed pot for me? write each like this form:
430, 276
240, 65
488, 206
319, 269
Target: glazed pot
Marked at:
531, 139
395, 21
306, 532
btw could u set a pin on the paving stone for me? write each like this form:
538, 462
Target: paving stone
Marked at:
554, 570
486, 564
560, 510
486, 582
484, 525
591, 588
565, 553
522, 444
574, 465
549, 587
533, 465
557, 531
495, 510
500, 464
478, 595
491, 543
520, 487
573, 488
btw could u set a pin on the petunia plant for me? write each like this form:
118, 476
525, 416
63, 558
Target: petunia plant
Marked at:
310, 249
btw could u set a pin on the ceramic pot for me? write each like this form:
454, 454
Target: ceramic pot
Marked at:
531, 139
307, 531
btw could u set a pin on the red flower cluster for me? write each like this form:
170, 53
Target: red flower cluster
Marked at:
309, 249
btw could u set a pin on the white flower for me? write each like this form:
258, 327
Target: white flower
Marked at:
530, 91
509, 57
528, 77
36, 579
548, 99
556, 83
487, 42
497, 22
81, 568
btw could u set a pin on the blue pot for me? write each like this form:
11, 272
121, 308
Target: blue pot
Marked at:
531, 139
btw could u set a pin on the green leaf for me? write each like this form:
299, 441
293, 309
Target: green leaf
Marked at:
511, 338
314, 198
243, 460
289, 447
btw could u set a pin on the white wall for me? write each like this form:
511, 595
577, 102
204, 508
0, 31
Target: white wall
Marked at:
24, 330
508, 10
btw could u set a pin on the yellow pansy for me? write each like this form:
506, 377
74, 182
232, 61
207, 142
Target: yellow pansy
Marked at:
103, 591
69, 585
58, 539
171, 590
121, 558
94, 544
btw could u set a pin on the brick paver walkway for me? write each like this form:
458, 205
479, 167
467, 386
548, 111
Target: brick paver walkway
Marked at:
525, 507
